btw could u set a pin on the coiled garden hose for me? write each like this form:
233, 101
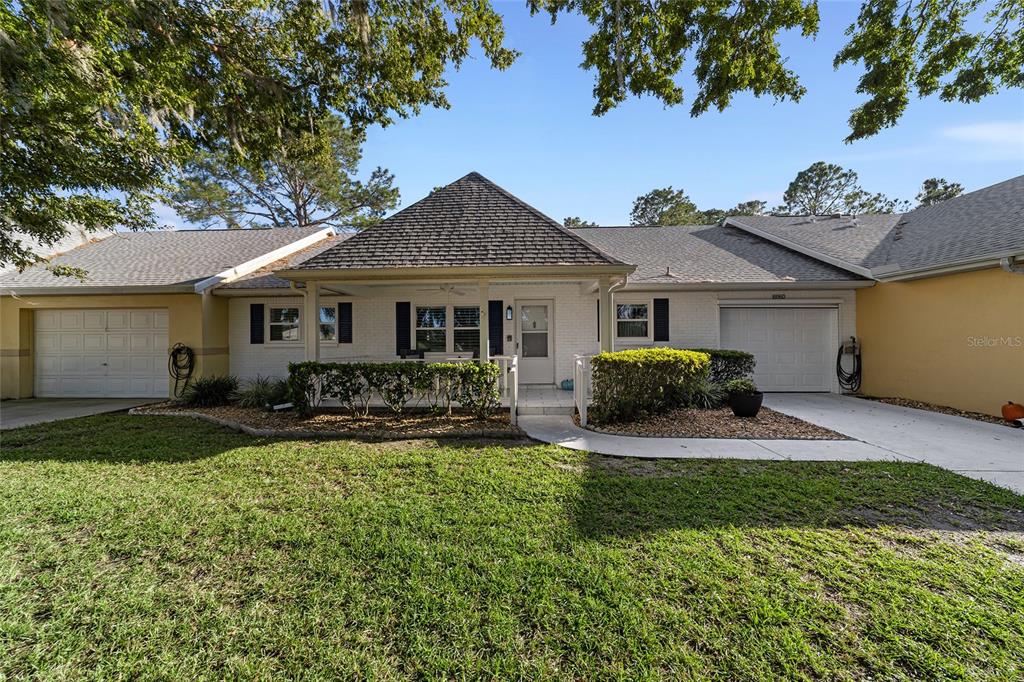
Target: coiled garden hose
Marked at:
180, 365
849, 381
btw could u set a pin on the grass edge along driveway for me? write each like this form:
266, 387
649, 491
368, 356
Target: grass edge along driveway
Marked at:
149, 547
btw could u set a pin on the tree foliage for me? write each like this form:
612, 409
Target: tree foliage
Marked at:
311, 182
665, 206
826, 188
573, 222
100, 100
668, 206
962, 50
934, 190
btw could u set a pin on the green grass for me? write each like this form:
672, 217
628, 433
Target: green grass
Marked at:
149, 547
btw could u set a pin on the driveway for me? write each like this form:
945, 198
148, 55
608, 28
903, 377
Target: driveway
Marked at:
15, 413
989, 452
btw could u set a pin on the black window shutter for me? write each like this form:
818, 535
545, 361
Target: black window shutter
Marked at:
598, 319
256, 323
403, 333
345, 322
661, 319
495, 326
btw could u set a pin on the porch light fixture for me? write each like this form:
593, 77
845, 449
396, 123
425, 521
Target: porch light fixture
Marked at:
508, 313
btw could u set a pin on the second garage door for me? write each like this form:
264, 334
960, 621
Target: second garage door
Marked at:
794, 347
101, 353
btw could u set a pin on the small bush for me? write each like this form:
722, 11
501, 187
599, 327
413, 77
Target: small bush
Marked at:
263, 393
727, 365
707, 395
437, 386
209, 391
740, 386
631, 383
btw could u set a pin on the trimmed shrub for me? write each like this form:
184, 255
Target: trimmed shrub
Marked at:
740, 386
631, 383
209, 392
435, 386
727, 365
263, 393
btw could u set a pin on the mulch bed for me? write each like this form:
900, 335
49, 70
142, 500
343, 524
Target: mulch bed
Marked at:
331, 422
918, 405
721, 423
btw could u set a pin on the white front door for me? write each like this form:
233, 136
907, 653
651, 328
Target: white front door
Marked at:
794, 347
534, 330
101, 353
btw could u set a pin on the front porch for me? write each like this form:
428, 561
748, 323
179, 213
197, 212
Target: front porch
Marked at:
540, 400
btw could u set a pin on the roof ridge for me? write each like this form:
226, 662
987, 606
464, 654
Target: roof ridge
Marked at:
554, 223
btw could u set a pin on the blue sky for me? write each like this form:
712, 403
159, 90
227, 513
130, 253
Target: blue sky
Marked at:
530, 130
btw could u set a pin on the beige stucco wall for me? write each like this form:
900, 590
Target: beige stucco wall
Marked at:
185, 325
955, 340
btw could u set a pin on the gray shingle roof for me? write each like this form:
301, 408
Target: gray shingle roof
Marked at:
160, 258
707, 254
975, 225
471, 222
264, 278
861, 241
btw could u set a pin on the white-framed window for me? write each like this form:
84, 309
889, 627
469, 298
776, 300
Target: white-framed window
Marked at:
447, 329
632, 320
328, 323
467, 329
283, 324
431, 329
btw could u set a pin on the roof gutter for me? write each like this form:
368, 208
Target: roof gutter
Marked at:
97, 290
248, 266
800, 248
1011, 265
1005, 260
448, 273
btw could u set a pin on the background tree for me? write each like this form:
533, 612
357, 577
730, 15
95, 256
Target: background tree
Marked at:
665, 206
311, 182
713, 216
101, 101
572, 222
826, 188
934, 190
963, 50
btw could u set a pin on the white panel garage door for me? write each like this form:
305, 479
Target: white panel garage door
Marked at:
101, 353
794, 347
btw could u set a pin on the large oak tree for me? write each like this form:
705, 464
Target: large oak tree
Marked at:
100, 101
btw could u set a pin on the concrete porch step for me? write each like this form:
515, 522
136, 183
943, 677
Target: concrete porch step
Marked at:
540, 409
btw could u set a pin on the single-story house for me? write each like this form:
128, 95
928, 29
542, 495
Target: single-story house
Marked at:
471, 266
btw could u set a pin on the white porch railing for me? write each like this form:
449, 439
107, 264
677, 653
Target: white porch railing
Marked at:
513, 392
581, 385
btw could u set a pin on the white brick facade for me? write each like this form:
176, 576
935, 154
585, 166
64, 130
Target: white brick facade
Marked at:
693, 315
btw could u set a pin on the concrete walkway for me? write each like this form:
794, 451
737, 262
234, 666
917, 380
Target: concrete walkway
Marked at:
881, 432
16, 413
990, 452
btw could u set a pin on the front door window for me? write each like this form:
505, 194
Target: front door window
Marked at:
534, 329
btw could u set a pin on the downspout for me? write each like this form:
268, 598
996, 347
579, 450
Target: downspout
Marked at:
1010, 265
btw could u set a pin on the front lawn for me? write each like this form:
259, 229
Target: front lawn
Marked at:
159, 547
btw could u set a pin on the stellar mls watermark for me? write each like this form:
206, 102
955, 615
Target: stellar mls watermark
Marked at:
995, 341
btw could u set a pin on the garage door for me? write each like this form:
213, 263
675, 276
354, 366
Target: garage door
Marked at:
101, 353
794, 347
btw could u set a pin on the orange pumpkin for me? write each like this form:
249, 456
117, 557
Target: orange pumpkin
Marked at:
1013, 411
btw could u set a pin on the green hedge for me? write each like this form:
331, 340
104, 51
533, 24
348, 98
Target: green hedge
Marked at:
630, 383
727, 365
435, 386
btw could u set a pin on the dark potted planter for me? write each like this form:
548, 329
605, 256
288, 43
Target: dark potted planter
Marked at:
744, 398
746, 404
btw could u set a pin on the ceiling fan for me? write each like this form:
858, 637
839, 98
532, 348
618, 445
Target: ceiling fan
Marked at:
446, 288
